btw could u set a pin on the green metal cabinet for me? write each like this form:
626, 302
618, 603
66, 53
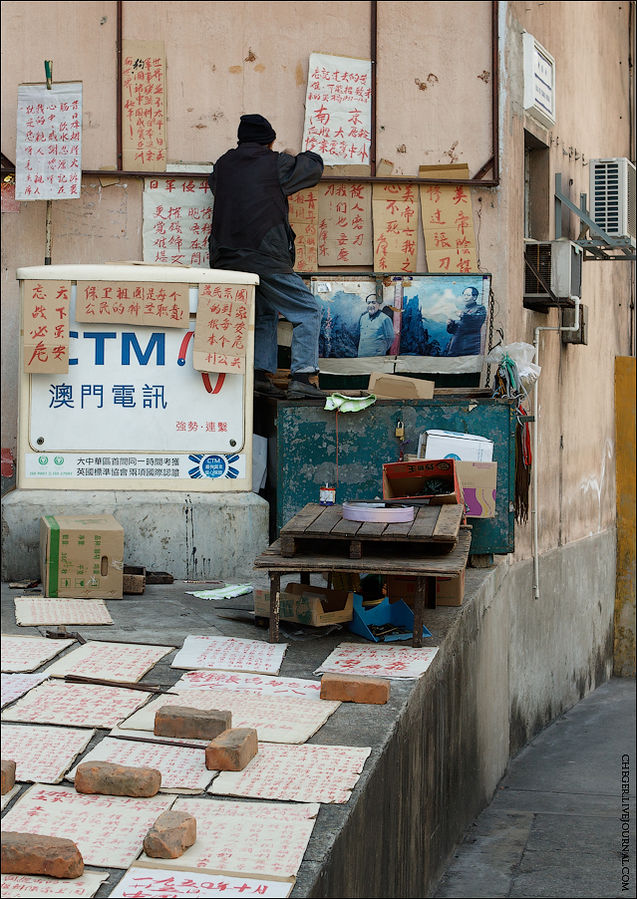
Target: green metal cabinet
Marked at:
347, 450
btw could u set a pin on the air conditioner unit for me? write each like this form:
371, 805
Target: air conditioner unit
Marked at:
556, 264
612, 197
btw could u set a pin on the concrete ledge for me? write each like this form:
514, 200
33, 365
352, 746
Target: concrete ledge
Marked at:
194, 536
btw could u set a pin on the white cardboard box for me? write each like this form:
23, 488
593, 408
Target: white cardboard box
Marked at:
436, 444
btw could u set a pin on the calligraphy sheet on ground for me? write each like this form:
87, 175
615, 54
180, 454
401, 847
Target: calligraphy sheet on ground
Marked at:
16, 685
7, 797
28, 653
18, 885
31, 611
117, 662
76, 705
309, 773
230, 654
258, 838
276, 719
182, 770
379, 661
108, 830
43, 754
145, 880
257, 683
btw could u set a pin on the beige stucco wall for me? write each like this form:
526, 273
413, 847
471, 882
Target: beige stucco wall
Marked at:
434, 78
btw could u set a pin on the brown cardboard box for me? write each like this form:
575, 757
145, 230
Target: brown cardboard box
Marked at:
478, 481
397, 387
316, 606
405, 480
82, 556
449, 590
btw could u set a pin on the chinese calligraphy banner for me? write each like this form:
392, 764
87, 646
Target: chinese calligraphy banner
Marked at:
43, 754
49, 142
258, 838
45, 317
230, 654
38, 610
76, 705
276, 719
447, 221
145, 880
108, 830
183, 770
379, 661
345, 224
116, 662
395, 210
144, 106
308, 773
177, 219
83, 887
338, 107
221, 327
257, 683
303, 218
28, 653
151, 303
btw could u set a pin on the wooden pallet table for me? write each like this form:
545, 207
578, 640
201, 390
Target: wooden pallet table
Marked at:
425, 566
318, 528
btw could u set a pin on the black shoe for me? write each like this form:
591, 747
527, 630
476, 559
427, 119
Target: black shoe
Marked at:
263, 386
300, 387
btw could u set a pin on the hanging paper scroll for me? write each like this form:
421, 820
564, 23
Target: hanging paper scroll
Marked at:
49, 142
447, 221
177, 221
144, 105
304, 222
338, 108
395, 227
345, 224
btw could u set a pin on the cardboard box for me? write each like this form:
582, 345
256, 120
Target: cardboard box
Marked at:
305, 604
449, 590
388, 613
436, 444
397, 387
82, 556
478, 481
411, 480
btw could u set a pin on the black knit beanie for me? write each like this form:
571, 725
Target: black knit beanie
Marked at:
255, 129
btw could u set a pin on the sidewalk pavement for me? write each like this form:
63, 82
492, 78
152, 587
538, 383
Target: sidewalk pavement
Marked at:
560, 823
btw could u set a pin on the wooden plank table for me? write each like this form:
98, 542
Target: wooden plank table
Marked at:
424, 565
318, 527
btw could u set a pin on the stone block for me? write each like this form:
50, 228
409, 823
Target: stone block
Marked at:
111, 779
232, 750
171, 834
8, 775
191, 724
30, 853
347, 688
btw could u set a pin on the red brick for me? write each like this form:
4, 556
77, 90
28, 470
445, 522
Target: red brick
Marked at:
171, 834
232, 750
191, 724
347, 688
8, 775
30, 853
116, 780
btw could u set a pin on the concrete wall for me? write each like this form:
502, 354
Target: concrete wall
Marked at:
507, 666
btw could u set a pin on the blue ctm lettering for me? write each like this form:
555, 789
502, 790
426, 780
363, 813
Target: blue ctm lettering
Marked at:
129, 345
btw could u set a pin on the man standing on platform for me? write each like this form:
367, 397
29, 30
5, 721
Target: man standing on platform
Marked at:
251, 233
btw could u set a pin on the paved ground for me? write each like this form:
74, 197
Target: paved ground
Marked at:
557, 822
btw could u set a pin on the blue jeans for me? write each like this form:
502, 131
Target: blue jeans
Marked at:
288, 295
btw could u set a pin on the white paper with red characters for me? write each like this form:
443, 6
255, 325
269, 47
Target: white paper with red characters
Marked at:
360, 659
43, 754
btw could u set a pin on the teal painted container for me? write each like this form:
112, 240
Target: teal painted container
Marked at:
348, 450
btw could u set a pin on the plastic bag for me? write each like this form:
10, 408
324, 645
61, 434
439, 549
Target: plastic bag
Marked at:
522, 354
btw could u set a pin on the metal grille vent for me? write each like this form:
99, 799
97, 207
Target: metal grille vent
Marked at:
606, 196
539, 256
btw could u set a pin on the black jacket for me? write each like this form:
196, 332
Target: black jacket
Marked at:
250, 227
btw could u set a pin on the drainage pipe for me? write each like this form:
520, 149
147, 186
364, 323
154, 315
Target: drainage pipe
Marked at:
534, 511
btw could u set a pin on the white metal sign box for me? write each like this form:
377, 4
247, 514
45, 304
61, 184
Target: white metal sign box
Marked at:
131, 412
